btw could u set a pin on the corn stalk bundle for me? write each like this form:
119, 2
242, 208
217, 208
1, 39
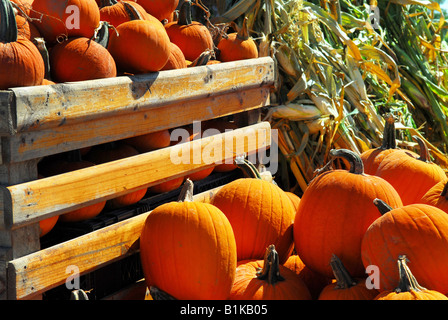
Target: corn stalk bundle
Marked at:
341, 66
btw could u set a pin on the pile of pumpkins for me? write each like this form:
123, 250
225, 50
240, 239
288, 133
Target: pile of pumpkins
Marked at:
375, 230
45, 42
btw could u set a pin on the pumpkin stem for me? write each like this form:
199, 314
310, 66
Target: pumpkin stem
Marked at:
249, 170
101, 34
343, 278
407, 279
40, 44
243, 33
389, 133
158, 294
271, 267
186, 194
132, 12
356, 165
107, 3
382, 206
8, 24
185, 14
444, 192
424, 151
203, 58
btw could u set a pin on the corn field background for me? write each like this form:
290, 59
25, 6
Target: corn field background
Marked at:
343, 65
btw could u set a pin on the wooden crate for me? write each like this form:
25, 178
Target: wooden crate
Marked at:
40, 121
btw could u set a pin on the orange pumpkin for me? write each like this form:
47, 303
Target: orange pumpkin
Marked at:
198, 236
26, 29
295, 199
46, 225
160, 9
176, 59
408, 287
115, 13
320, 225
150, 141
237, 46
266, 279
437, 196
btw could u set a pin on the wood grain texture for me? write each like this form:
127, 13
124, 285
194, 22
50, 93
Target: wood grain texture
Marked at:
38, 272
33, 201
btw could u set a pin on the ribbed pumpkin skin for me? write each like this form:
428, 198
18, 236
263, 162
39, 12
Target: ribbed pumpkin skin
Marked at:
21, 64
188, 250
232, 48
434, 198
372, 159
176, 59
248, 287
143, 46
55, 19
26, 29
418, 231
411, 177
411, 295
80, 59
260, 214
334, 212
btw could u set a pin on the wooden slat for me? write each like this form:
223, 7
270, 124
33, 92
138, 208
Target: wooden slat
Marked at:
40, 271
41, 107
32, 201
36, 144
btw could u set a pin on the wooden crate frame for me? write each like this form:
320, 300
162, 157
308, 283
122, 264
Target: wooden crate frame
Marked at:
44, 120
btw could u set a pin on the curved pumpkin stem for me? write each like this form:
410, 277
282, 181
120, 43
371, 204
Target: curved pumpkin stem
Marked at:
356, 165
271, 267
249, 170
186, 193
343, 278
203, 58
407, 279
243, 33
132, 12
185, 14
424, 151
8, 24
382, 206
389, 133
40, 44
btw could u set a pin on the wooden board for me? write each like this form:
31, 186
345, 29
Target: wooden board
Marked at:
32, 201
38, 272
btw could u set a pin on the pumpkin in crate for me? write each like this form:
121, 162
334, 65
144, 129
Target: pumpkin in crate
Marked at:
117, 12
192, 37
346, 287
437, 196
112, 152
260, 213
167, 186
420, 232
237, 45
150, 141
160, 9
408, 287
412, 176
79, 59
140, 46
267, 279
176, 59
188, 249
58, 20
334, 212
21, 63
373, 157
47, 224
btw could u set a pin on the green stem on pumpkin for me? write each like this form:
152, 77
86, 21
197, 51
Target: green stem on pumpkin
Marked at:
271, 267
8, 24
186, 193
389, 133
101, 35
343, 278
356, 165
185, 14
40, 44
407, 279
249, 170
132, 12
382, 206
424, 151
243, 33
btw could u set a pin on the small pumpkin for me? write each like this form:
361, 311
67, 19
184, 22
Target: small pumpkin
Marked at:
176, 59
21, 63
408, 288
419, 231
346, 287
411, 176
151, 141
199, 238
267, 279
237, 45
192, 37
320, 225
167, 186
80, 59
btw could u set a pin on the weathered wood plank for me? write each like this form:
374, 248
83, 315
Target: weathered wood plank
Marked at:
36, 144
40, 271
7, 111
35, 200
41, 107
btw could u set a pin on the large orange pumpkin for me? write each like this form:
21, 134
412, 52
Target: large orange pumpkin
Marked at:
64, 19
260, 213
79, 59
188, 250
160, 9
266, 279
21, 63
140, 46
192, 37
408, 287
420, 232
334, 212
411, 176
